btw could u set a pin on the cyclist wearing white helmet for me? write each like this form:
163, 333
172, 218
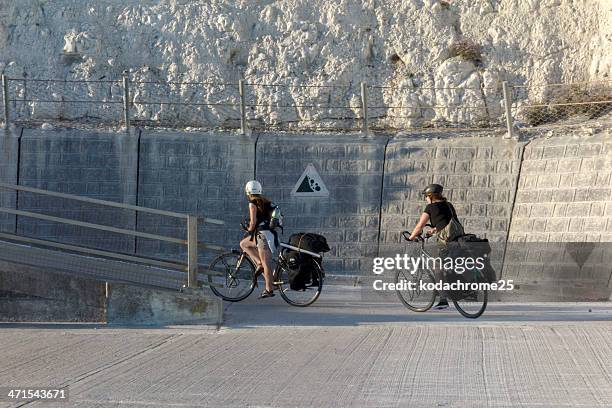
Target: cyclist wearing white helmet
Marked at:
441, 215
260, 241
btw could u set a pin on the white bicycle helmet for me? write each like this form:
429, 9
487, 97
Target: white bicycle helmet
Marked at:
253, 187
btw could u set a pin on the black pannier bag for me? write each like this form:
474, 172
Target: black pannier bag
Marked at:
465, 278
471, 245
468, 245
300, 269
310, 242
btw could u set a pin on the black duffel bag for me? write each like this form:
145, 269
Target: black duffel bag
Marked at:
474, 246
309, 241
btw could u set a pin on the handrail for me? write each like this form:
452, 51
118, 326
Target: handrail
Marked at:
94, 226
119, 256
107, 203
191, 241
93, 200
211, 220
99, 252
217, 248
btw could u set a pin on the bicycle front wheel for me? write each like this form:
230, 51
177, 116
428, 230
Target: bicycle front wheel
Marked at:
472, 303
415, 293
236, 276
304, 296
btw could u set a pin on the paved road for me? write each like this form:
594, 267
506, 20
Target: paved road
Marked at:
340, 352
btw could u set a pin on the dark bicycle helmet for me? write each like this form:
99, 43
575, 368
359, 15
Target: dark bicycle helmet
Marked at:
433, 189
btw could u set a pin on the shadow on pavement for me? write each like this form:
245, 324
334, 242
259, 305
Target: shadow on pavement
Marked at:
274, 312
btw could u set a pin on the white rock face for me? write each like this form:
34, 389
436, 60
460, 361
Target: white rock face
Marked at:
399, 44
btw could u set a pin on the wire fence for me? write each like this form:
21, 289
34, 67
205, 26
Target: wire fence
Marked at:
291, 106
555, 105
96, 102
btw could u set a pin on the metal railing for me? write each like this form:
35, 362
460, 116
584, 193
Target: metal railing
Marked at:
290, 106
190, 266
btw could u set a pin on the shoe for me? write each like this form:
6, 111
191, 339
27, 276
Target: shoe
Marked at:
442, 304
266, 294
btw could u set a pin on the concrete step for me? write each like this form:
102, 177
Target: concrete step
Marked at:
146, 306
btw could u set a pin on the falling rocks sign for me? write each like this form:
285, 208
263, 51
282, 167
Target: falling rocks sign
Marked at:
310, 184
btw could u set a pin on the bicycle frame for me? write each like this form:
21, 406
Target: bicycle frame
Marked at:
279, 261
238, 264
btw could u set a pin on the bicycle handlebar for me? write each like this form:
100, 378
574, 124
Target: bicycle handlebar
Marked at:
420, 237
406, 235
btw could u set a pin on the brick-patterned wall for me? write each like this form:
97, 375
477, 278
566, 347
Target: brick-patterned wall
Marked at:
564, 196
91, 164
9, 149
478, 174
196, 173
351, 168
564, 193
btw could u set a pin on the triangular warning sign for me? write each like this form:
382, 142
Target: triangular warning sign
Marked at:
310, 184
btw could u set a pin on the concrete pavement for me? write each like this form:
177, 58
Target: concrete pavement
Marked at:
338, 352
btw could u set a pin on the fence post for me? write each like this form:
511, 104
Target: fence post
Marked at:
364, 109
243, 129
5, 100
126, 102
508, 109
192, 251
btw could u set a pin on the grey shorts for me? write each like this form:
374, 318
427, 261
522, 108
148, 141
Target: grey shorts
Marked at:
262, 242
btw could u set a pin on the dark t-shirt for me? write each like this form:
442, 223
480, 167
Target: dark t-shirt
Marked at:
263, 214
440, 214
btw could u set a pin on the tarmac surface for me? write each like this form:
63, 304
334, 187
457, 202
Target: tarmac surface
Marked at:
341, 351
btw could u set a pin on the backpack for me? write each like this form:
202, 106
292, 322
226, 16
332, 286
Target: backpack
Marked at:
276, 217
453, 229
310, 242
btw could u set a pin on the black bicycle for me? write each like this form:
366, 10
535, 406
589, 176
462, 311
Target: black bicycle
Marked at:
237, 279
418, 293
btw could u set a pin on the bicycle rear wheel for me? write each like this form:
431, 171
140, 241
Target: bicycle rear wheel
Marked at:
472, 303
415, 297
237, 276
301, 297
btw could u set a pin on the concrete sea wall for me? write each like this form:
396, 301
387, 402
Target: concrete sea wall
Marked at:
555, 190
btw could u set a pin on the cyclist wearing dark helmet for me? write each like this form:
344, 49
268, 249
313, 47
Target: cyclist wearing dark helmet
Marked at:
441, 215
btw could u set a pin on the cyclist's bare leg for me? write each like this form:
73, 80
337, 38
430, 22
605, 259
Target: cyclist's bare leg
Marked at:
250, 247
266, 256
